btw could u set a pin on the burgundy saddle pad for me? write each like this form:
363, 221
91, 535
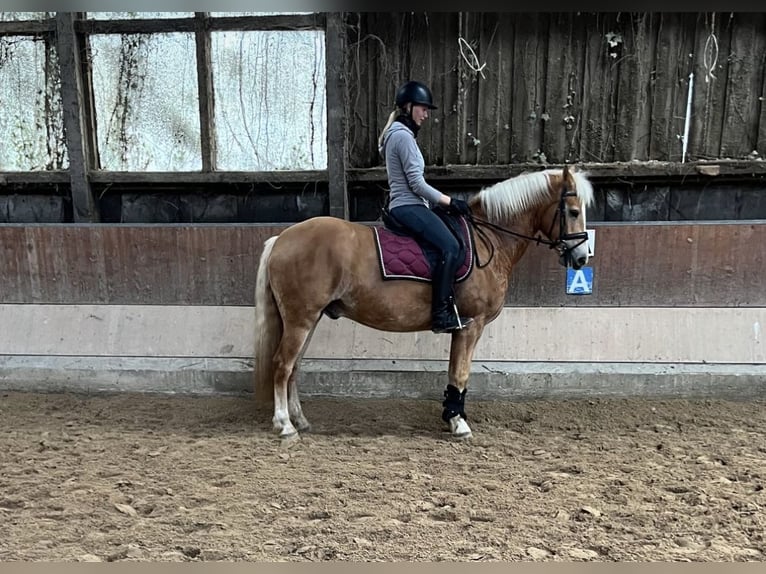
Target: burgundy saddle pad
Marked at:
402, 257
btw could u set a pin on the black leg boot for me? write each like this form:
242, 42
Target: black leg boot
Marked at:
445, 317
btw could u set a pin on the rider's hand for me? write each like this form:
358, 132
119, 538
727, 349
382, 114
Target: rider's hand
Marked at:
459, 206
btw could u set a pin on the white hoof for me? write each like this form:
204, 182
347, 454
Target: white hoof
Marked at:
459, 428
291, 437
284, 427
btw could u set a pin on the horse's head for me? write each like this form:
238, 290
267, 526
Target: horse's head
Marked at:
571, 193
551, 202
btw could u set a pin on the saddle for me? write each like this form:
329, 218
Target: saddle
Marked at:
401, 256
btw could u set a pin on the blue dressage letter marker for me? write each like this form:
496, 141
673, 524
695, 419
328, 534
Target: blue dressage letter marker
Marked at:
580, 281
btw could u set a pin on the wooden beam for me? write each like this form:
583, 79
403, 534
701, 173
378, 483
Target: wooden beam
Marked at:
627, 171
170, 25
33, 177
337, 105
195, 177
206, 92
84, 207
89, 107
673, 172
284, 22
158, 26
27, 28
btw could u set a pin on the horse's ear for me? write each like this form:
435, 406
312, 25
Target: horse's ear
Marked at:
567, 176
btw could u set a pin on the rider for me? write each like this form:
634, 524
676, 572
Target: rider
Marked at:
411, 199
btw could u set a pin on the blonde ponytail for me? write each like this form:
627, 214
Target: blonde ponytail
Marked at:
391, 119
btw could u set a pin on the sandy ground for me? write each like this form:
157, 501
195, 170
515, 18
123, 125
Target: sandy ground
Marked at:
162, 478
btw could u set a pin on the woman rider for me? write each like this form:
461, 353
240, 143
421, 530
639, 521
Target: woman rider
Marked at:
411, 199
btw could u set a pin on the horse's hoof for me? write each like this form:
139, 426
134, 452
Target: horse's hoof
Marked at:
289, 437
459, 428
461, 437
303, 425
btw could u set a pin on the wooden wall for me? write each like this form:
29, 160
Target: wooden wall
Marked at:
555, 89
645, 265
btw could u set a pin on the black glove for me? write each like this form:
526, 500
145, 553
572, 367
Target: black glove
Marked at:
459, 206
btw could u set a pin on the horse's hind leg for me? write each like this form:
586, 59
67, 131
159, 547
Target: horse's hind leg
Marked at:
293, 398
294, 404
289, 351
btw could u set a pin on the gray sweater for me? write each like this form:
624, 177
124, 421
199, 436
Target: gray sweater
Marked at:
405, 167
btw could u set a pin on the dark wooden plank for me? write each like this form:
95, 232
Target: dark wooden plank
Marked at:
206, 95
34, 177
761, 145
32, 209
420, 64
694, 265
387, 67
596, 122
468, 89
337, 96
710, 89
743, 84
284, 22
29, 27
448, 113
440, 60
675, 42
635, 203
530, 54
497, 54
718, 201
566, 50
84, 207
364, 124
636, 67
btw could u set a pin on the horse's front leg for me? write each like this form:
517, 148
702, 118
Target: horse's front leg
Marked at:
461, 355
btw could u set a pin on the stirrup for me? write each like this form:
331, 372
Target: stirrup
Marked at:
462, 323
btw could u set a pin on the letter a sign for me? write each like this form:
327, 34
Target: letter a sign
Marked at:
580, 281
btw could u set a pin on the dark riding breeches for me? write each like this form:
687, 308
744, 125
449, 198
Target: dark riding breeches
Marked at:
428, 227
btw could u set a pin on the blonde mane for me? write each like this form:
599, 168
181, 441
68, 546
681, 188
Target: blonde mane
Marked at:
505, 199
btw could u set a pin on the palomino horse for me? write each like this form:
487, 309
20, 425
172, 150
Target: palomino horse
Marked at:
326, 265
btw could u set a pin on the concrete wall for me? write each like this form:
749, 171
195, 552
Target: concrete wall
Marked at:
527, 351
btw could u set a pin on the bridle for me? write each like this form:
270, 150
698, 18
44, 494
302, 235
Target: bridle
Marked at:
559, 245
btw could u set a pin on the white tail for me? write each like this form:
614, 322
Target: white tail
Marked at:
268, 328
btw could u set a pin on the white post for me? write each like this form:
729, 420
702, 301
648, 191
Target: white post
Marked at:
685, 141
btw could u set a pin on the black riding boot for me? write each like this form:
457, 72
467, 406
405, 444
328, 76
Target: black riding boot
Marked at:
445, 316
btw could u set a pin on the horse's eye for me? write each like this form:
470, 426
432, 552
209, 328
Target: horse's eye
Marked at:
574, 213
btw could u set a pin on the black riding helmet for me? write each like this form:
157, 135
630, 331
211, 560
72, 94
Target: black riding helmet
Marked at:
416, 93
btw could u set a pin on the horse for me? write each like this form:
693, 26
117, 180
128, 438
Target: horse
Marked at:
329, 266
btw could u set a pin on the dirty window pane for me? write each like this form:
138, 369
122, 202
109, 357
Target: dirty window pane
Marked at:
24, 16
147, 102
31, 122
270, 100
137, 15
